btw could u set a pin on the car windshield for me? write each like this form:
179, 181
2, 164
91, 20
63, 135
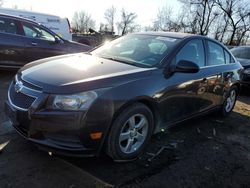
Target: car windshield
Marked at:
137, 49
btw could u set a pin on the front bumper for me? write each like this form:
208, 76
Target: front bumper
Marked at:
56, 132
62, 132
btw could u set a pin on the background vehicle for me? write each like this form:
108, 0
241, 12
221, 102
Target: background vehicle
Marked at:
23, 41
242, 53
60, 26
121, 93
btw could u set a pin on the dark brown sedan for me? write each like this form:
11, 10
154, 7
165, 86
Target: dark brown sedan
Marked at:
115, 97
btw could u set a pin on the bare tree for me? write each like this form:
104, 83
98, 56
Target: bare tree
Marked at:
127, 22
202, 14
82, 22
109, 15
238, 13
164, 19
222, 29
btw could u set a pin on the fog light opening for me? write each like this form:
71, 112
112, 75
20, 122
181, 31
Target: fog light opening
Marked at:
96, 135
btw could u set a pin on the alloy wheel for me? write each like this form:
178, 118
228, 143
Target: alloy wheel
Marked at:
230, 101
133, 133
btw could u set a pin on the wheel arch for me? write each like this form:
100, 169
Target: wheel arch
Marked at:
237, 84
147, 101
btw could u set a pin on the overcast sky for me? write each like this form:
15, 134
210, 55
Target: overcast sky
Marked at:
145, 9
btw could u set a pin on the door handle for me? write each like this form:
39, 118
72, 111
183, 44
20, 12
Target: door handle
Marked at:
34, 44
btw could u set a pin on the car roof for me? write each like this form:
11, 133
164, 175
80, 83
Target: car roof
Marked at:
19, 18
178, 35
240, 47
28, 12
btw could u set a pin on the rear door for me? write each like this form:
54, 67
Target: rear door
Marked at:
11, 43
217, 70
40, 43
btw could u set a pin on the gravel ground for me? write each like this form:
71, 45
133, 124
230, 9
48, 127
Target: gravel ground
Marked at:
204, 152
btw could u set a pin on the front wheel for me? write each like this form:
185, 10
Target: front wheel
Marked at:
130, 132
230, 101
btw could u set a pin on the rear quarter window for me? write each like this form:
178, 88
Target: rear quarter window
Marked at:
227, 57
215, 54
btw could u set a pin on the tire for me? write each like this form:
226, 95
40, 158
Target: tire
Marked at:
130, 133
230, 101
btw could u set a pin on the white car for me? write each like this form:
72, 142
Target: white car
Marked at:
60, 26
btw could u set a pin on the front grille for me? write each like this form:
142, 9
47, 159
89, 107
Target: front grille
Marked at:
19, 99
27, 84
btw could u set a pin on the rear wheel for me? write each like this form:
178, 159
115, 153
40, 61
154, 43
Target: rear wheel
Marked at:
230, 101
130, 132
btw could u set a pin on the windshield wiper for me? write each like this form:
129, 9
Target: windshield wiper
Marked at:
114, 58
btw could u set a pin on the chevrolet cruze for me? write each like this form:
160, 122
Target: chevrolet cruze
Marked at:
115, 97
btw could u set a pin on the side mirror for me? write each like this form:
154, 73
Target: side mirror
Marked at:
186, 67
58, 40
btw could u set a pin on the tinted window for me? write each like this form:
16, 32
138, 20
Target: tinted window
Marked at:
144, 50
192, 51
245, 53
215, 54
241, 52
8, 26
37, 32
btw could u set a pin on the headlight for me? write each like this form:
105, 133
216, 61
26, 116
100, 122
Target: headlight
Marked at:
246, 71
80, 101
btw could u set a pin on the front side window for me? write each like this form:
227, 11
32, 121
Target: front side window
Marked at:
37, 32
193, 51
8, 26
141, 50
215, 54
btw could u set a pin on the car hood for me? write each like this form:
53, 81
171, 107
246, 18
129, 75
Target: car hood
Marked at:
79, 72
244, 62
75, 47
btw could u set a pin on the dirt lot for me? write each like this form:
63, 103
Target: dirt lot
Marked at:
205, 152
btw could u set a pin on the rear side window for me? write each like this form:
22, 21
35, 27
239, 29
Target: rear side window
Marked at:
8, 26
192, 51
227, 57
215, 54
232, 60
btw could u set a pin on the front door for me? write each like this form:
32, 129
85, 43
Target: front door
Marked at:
186, 96
40, 43
11, 44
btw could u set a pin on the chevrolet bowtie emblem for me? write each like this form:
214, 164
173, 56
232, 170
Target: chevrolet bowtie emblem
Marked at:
18, 86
